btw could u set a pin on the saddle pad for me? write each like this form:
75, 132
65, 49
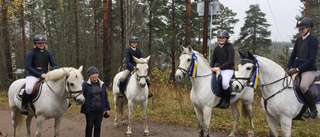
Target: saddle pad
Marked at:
216, 88
302, 100
35, 95
126, 84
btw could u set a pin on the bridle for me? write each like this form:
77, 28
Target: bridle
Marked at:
285, 85
141, 76
69, 91
187, 71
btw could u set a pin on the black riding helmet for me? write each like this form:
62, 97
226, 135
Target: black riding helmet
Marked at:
223, 34
133, 39
39, 39
304, 22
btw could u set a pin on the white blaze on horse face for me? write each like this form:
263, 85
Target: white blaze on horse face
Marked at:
142, 73
244, 71
75, 81
185, 62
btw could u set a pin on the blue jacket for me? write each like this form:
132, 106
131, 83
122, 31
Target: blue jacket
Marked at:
32, 70
86, 88
310, 63
129, 58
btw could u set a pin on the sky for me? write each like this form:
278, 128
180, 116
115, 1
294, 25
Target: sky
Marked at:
280, 14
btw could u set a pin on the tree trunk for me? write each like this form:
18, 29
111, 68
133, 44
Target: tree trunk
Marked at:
95, 30
77, 33
69, 39
188, 23
6, 40
173, 43
122, 39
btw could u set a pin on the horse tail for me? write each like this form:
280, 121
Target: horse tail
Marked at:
21, 122
244, 112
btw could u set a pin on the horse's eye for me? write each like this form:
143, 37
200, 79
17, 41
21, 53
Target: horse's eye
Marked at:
189, 59
248, 68
71, 84
137, 68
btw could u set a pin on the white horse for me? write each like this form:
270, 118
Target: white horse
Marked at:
201, 94
278, 101
52, 102
136, 93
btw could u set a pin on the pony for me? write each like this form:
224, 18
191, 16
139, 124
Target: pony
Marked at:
201, 94
58, 86
278, 101
136, 93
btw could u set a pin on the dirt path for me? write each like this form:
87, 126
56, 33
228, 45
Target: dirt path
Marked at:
73, 125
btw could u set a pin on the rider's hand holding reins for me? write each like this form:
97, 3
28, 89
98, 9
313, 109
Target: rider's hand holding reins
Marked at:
215, 69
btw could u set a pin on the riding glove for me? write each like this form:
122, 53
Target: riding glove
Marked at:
291, 72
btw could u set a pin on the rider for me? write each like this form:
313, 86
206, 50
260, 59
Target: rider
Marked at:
131, 64
37, 61
223, 61
303, 60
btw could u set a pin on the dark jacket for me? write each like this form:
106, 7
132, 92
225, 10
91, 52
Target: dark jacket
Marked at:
305, 61
223, 57
37, 62
129, 57
86, 88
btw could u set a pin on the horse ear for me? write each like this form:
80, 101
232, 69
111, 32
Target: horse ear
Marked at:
190, 48
67, 72
251, 56
135, 59
242, 54
181, 48
148, 58
80, 69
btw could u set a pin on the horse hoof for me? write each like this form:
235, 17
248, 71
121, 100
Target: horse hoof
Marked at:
128, 134
115, 125
250, 135
146, 133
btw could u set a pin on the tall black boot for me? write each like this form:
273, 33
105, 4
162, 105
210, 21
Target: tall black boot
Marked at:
150, 94
121, 88
312, 105
25, 106
227, 96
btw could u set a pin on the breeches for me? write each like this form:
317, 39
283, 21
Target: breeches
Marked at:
226, 77
306, 80
30, 81
125, 75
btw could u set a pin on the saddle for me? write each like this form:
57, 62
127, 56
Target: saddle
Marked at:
126, 82
216, 86
35, 92
314, 87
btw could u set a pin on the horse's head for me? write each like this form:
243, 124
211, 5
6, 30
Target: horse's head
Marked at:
74, 84
245, 73
185, 63
142, 70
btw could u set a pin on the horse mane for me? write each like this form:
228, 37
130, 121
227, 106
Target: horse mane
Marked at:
55, 75
201, 56
269, 62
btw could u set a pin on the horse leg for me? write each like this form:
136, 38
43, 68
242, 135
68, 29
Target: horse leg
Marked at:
123, 118
116, 108
273, 125
199, 114
286, 124
249, 110
14, 115
206, 120
130, 106
57, 126
28, 123
40, 121
144, 117
236, 115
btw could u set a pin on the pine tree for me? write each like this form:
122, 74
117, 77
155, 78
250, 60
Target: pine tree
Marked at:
254, 34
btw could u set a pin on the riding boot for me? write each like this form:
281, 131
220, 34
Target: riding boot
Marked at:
227, 96
150, 94
25, 101
121, 87
311, 103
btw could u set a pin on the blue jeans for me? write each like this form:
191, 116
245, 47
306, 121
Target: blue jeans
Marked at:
94, 118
